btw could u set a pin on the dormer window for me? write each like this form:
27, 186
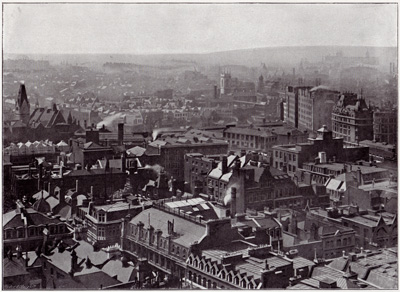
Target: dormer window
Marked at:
102, 217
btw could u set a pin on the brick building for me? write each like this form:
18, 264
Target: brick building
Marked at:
238, 266
169, 152
292, 156
258, 186
197, 167
164, 238
29, 229
104, 221
385, 126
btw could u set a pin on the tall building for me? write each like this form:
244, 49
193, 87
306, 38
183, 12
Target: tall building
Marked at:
385, 126
315, 108
293, 94
22, 106
352, 119
225, 83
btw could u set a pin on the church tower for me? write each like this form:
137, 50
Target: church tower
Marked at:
260, 84
225, 83
22, 107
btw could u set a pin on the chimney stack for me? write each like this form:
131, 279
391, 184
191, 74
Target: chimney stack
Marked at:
123, 158
76, 185
74, 261
233, 202
49, 188
224, 164
359, 176
120, 133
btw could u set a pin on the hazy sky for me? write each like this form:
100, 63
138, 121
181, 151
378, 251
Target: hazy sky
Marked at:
192, 28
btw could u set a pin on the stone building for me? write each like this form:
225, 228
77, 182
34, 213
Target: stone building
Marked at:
352, 119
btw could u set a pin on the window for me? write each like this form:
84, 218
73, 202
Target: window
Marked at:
101, 232
102, 217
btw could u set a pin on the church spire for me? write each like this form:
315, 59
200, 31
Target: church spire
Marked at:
22, 96
22, 107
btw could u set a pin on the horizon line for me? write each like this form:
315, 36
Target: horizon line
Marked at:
193, 53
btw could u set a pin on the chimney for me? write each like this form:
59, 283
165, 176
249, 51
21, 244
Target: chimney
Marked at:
317, 160
76, 185
120, 133
19, 252
359, 176
171, 227
40, 186
49, 188
224, 164
322, 157
74, 261
174, 187
266, 265
123, 162
233, 202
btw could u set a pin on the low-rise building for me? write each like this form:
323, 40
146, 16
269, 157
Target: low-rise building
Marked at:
238, 266
27, 228
104, 221
291, 157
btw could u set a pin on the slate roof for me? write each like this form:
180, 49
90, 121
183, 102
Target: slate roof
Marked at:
14, 267
13, 220
187, 231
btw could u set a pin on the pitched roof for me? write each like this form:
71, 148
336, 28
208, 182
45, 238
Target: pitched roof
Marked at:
187, 231
14, 267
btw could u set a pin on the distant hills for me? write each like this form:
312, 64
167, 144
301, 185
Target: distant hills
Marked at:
282, 56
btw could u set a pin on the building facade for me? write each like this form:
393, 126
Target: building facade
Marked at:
352, 119
315, 108
385, 126
291, 157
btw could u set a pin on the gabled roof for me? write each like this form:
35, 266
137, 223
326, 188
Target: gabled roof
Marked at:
136, 151
14, 267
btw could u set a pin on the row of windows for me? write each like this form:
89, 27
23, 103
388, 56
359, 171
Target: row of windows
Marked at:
162, 244
249, 137
282, 154
338, 242
230, 277
33, 231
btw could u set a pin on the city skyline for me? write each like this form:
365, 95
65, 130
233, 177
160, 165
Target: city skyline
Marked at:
192, 28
